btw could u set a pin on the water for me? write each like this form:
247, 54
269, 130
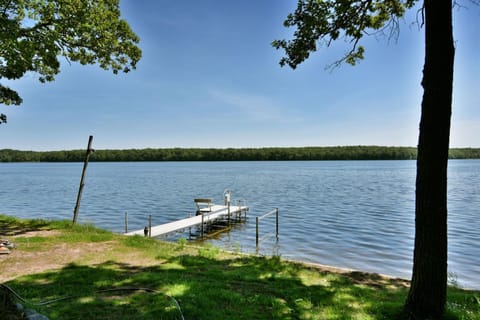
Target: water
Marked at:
351, 214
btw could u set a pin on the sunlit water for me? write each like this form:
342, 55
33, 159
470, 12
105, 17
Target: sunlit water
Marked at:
351, 214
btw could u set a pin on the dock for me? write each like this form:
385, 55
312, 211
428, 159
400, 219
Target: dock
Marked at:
204, 216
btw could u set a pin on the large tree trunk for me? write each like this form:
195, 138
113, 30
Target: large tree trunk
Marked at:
427, 296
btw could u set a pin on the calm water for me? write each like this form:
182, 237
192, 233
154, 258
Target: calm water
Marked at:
352, 214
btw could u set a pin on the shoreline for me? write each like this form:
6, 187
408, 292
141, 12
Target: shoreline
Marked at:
316, 265
452, 280
34, 234
307, 153
82, 264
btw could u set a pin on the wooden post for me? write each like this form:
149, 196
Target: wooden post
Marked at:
126, 221
82, 180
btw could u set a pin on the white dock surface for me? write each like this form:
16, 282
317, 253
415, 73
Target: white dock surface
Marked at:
217, 211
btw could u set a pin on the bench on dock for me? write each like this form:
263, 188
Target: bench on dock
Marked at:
203, 205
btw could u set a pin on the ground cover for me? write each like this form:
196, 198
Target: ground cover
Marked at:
80, 272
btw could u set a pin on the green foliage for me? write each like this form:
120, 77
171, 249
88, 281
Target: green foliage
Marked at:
87, 233
10, 226
462, 304
321, 22
246, 154
234, 288
208, 251
34, 33
204, 286
182, 242
462, 153
140, 242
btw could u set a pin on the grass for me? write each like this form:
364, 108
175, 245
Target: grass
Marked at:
205, 282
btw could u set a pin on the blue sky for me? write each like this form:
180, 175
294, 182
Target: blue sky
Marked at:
210, 78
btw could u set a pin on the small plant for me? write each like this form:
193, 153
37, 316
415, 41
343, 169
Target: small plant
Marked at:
208, 251
182, 242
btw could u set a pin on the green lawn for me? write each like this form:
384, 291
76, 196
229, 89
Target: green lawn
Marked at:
106, 276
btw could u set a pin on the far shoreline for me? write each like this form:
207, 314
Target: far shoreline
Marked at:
342, 153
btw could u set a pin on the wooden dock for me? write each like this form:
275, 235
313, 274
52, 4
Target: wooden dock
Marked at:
215, 212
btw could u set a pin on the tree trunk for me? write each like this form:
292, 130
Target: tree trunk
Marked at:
427, 296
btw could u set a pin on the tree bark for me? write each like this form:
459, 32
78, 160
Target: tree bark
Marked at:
427, 296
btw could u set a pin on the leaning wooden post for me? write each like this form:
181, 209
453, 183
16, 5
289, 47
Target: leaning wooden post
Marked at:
82, 180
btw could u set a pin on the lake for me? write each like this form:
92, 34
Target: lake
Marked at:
349, 214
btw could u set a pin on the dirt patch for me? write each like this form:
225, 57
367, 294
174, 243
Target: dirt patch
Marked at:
20, 262
38, 233
377, 280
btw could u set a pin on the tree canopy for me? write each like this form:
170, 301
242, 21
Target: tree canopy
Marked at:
320, 23
35, 33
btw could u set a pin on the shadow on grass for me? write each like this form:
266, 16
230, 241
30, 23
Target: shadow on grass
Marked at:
205, 288
10, 226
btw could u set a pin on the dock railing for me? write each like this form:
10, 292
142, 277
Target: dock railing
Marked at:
267, 235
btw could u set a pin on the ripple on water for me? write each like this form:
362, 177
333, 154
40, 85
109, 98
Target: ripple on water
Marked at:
354, 214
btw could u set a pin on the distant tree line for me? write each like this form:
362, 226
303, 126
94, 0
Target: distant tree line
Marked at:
231, 154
